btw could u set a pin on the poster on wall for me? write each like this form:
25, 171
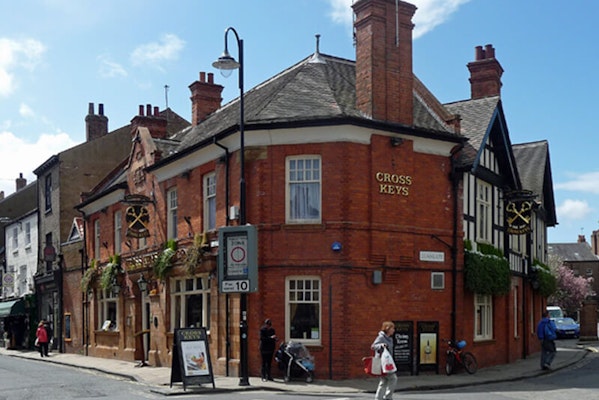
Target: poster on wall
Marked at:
428, 345
191, 358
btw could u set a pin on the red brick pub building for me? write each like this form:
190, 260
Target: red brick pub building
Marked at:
362, 187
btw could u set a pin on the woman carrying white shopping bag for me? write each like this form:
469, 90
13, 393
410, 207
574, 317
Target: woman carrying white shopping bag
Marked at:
383, 344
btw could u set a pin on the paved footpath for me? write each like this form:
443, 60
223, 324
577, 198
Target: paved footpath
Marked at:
158, 378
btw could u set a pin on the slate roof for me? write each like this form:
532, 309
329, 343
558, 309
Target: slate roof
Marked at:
476, 116
572, 252
535, 173
306, 93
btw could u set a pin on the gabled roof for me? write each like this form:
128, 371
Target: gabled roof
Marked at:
572, 252
483, 119
535, 173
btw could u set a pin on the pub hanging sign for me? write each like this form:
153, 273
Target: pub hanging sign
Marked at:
137, 215
518, 211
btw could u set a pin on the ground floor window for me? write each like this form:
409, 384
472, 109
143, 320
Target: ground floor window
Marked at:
190, 302
483, 317
303, 319
108, 312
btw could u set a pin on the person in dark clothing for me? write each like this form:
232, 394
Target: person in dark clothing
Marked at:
268, 341
546, 334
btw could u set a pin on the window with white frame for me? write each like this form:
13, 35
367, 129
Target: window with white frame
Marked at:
190, 302
171, 205
118, 228
483, 317
27, 234
15, 239
22, 280
97, 239
303, 298
209, 201
303, 189
483, 211
108, 310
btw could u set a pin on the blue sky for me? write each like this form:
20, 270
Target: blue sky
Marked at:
56, 56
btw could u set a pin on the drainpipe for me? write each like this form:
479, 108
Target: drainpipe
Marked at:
84, 296
227, 313
455, 180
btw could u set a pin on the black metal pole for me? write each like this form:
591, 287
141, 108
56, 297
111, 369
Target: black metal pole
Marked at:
243, 325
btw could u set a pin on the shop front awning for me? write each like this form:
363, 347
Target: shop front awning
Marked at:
12, 307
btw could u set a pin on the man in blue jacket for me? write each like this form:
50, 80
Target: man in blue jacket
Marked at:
546, 334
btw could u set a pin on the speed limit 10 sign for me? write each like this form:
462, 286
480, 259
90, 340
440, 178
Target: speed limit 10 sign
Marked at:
237, 259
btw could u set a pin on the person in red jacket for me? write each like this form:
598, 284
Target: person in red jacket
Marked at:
42, 339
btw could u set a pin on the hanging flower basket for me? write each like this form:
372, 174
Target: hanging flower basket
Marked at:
89, 277
164, 261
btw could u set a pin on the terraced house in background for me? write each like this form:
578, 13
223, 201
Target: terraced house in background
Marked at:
365, 192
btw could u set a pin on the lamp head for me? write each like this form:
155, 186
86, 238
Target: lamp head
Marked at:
142, 283
226, 64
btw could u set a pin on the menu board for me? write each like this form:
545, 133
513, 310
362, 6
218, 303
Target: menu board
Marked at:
191, 357
403, 341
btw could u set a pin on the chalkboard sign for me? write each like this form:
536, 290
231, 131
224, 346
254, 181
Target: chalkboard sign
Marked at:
403, 340
191, 358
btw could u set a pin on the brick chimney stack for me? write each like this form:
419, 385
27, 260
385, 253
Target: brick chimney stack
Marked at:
95, 125
21, 182
485, 73
384, 77
581, 239
152, 120
205, 98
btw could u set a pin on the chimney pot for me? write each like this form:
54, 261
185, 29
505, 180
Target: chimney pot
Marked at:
156, 111
148, 110
205, 97
141, 110
95, 125
478, 53
485, 73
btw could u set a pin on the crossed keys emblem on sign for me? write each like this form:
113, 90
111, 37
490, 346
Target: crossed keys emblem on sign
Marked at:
519, 215
137, 218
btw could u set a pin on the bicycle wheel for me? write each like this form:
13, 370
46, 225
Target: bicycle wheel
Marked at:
449, 363
469, 362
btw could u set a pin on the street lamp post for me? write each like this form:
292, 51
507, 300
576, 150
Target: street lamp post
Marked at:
227, 64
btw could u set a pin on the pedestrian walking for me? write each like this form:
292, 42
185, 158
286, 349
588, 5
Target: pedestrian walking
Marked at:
268, 341
387, 381
546, 332
42, 339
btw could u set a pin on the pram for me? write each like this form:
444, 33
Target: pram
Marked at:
295, 361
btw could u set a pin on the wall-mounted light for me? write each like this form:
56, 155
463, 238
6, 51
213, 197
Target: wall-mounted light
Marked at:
396, 141
142, 284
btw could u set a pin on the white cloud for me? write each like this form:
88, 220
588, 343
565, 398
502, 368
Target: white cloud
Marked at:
13, 162
15, 55
430, 13
26, 111
588, 183
574, 210
155, 53
110, 69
